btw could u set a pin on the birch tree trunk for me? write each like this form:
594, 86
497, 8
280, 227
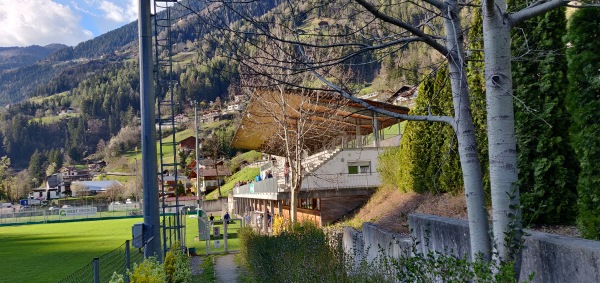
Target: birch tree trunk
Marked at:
501, 129
465, 133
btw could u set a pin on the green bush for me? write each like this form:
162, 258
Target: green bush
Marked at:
395, 164
307, 254
584, 106
149, 271
427, 159
177, 266
302, 255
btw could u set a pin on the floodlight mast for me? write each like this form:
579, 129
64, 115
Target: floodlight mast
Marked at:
149, 161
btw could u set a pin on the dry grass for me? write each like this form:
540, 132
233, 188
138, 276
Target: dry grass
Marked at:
390, 208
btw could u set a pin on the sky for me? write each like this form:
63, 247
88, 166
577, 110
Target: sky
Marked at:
42, 22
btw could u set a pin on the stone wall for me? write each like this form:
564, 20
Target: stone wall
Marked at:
553, 258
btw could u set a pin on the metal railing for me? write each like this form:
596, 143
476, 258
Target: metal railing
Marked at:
314, 182
340, 181
265, 186
44, 215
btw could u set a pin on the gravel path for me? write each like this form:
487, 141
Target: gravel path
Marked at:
226, 269
195, 262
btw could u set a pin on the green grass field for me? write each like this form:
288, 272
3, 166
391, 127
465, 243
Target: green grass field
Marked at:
232, 242
50, 252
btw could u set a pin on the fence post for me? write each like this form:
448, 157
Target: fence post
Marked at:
225, 223
96, 270
127, 261
208, 226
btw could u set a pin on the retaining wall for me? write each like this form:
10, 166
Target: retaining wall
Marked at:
215, 205
553, 258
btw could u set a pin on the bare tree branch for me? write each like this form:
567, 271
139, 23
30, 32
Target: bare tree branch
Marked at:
535, 9
412, 29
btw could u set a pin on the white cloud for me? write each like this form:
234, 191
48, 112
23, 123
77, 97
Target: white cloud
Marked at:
117, 13
132, 10
76, 6
39, 22
112, 11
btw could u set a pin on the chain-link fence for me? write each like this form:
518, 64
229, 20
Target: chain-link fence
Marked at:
125, 256
101, 269
18, 215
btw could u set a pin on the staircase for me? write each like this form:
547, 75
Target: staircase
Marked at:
311, 163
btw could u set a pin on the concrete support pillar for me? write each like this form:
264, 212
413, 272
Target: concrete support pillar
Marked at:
358, 135
279, 208
272, 212
264, 219
376, 129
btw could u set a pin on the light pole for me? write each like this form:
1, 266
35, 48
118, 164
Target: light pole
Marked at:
151, 227
197, 158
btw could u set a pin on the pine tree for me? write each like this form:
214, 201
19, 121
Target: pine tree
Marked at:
430, 148
36, 168
583, 102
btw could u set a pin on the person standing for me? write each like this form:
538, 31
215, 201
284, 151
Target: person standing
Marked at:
227, 217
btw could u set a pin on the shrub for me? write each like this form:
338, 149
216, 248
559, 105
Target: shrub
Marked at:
177, 266
149, 271
301, 255
306, 253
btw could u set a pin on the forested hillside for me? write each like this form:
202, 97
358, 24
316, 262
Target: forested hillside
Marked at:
99, 80
15, 57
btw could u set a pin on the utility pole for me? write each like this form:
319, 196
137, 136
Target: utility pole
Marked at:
151, 227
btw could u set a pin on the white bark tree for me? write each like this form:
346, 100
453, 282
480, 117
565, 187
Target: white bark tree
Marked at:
497, 25
449, 44
289, 113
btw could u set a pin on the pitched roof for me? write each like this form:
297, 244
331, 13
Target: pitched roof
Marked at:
330, 116
98, 185
211, 172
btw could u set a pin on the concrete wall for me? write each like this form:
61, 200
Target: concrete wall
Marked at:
556, 258
553, 258
215, 205
438, 234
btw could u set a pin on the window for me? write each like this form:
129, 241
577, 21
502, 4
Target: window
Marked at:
359, 167
310, 203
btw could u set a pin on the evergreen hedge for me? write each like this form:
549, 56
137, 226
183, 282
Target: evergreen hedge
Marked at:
583, 102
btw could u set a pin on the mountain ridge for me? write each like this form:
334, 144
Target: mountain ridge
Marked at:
15, 57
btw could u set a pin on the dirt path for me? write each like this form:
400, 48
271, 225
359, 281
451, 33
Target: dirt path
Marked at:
226, 270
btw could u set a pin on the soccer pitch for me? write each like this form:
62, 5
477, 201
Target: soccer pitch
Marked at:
53, 251
50, 252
